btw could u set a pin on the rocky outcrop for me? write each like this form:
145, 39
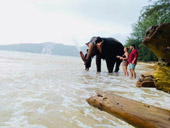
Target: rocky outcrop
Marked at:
135, 113
158, 40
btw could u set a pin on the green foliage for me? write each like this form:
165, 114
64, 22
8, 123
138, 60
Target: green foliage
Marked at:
157, 13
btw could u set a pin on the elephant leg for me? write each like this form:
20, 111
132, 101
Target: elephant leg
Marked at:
110, 64
98, 63
118, 62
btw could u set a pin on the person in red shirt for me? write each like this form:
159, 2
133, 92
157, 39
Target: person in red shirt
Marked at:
133, 61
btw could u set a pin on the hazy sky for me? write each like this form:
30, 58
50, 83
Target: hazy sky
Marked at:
66, 21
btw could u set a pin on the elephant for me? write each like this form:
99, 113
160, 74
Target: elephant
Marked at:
107, 49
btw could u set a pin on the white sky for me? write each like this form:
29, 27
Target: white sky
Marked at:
64, 21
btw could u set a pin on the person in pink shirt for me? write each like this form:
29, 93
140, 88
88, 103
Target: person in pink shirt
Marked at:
133, 61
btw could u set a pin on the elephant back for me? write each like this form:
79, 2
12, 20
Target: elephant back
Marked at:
111, 48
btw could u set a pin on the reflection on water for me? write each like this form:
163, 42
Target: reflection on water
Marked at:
42, 91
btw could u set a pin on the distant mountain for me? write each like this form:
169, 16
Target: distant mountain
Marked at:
44, 48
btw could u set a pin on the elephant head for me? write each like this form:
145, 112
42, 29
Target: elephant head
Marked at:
92, 46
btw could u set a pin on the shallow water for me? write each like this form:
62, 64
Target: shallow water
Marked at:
44, 91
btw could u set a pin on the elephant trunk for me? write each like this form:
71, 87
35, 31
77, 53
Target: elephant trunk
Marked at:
89, 53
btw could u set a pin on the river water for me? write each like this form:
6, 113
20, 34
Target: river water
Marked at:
45, 91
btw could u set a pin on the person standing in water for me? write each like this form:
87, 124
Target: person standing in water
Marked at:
124, 58
133, 61
88, 63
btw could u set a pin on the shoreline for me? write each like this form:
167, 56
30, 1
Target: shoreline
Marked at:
151, 63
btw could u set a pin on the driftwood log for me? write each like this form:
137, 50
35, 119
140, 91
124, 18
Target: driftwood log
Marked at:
135, 113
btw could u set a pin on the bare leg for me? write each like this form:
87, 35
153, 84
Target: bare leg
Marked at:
134, 74
131, 73
126, 72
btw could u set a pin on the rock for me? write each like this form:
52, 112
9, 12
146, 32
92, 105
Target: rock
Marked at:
162, 76
145, 80
168, 64
158, 40
135, 113
165, 86
148, 78
145, 84
139, 83
148, 84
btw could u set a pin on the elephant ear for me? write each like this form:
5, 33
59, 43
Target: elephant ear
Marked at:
92, 47
98, 40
